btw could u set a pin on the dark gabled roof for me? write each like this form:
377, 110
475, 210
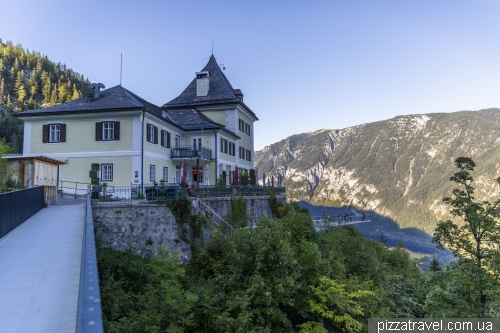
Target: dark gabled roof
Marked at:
112, 98
115, 98
152, 109
220, 91
230, 133
191, 119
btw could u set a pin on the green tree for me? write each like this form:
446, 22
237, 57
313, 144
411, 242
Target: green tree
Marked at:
4, 172
435, 266
455, 292
237, 214
141, 295
474, 233
243, 177
383, 239
46, 87
76, 93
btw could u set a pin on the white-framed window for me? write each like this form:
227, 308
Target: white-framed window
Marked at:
241, 125
232, 149
177, 141
55, 133
247, 129
249, 155
152, 134
108, 131
242, 152
165, 174
165, 139
106, 172
197, 143
223, 145
152, 173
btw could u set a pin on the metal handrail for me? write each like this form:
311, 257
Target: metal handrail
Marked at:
61, 182
215, 214
89, 314
191, 151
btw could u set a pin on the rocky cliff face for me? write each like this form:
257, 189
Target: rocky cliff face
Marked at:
399, 167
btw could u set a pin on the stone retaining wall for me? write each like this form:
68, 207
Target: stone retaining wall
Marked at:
140, 228
257, 206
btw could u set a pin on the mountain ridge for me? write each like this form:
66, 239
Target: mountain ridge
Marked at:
399, 167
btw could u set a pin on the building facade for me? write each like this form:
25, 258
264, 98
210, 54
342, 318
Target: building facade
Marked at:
121, 139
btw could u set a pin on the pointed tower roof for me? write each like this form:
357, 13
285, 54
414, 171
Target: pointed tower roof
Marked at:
220, 92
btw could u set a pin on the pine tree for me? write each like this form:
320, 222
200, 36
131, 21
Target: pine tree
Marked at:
33, 84
46, 88
76, 93
30, 80
435, 266
21, 95
2, 91
16, 64
19, 80
476, 239
383, 239
11, 79
53, 97
62, 92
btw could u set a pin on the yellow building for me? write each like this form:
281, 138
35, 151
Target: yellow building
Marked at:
121, 139
211, 94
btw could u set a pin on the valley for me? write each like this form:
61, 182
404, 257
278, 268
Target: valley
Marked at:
397, 168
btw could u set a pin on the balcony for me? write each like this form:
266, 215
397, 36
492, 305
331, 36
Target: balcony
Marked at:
191, 152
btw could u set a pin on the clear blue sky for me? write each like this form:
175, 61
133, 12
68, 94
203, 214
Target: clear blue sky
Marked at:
302, 65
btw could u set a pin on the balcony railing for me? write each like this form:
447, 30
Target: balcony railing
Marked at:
191, 152
204, 191
126, 195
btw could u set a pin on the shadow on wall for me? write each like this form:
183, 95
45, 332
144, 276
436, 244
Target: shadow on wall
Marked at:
413, 239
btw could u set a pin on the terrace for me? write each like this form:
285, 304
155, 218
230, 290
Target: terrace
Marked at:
123, 195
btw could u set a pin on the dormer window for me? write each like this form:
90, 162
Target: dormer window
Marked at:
202, 83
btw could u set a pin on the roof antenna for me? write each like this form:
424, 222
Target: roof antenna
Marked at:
121, 66
212, 47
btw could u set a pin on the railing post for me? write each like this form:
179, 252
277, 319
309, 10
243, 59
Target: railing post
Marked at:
76, 186
62, 188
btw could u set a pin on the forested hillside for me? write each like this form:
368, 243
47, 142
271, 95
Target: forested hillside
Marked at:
29, 80
399, 168
283, 276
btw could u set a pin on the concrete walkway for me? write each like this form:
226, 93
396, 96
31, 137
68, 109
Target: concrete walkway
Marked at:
40, 272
